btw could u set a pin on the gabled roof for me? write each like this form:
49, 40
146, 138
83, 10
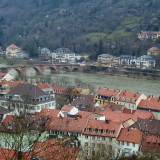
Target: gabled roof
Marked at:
150, 125
83, 114
107, 92
67, 108
154, 49
151, 144
130, 135
27, 89
13, 47
49, 112
102, 125
151, 104
127, 96
121, 117
66, 124
51, 149
43, 85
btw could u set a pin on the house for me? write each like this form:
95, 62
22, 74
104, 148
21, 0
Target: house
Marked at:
98, 135
127, 60
21, 54
106, 59
11, 51
152, 105
84, 102
6, 76
85, 91
154, 51
27, 97
129, 99
145, 61
59, 89
105, 95
45, 53
144, 35
151, 144
129, 141
52, 149
148, 126
69, 110
63, 55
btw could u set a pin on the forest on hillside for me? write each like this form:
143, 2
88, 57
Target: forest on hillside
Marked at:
84, 26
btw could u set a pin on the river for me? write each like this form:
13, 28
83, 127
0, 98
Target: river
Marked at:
148, 87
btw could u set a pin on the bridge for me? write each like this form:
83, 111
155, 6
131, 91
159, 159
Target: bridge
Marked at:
40, 69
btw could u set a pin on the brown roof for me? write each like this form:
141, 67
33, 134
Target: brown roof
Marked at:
155, 49
49, 112
130, 135
13, 47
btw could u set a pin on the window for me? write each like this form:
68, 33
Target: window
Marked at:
98, 138
46, 105
86, 144
38, 107
127, 143
93, 130
86, 137
118, 142
99, 145
104, 131
103, 138
133, 144
111, 132
103, 145
87, 129
122, 143
99, 131
49, 104
53, 104
110, 139
93, 144
93, 138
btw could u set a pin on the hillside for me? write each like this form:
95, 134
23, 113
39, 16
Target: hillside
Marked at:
79, 24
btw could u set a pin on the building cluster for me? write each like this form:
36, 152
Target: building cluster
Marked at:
113, 121
145, 61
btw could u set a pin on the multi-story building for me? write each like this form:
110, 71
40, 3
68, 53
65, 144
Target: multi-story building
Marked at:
45, 53
63, 55
145, 61
154, 51
11, 51
130, 100
144, 35
127, 60
105, 95
27, 98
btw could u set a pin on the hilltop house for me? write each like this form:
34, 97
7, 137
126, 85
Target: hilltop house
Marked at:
154, 51
144, 35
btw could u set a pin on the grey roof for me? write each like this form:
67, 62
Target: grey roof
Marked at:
150, 125
63, 50
3, 110
105, 55
145, 57
45, 51
27, 89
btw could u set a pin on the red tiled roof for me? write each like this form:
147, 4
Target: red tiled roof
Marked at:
107, 91
121, 117
102, 125
2, 74
11, 83
149, 104
83, 114
151, 143
49, 112
155, 49
130, 135
13, 47
130, 97
43, 85
67, 108
54, 150
9, 154
66, 124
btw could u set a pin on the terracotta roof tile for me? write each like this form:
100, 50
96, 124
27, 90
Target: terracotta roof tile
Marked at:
67, 108
49, 112
108, 92
130, 135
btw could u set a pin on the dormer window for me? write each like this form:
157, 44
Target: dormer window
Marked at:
104, 131
127, 99
123, 99
99, 130
133, 100
93, 130
111, 132
87, 129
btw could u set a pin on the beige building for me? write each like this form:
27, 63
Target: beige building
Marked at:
11, 51
154, 51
